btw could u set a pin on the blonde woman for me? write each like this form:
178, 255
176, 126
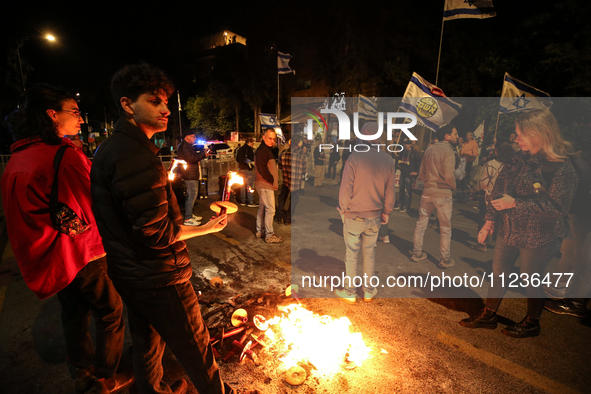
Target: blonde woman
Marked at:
531, 200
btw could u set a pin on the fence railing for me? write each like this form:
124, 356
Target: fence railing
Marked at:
211, 168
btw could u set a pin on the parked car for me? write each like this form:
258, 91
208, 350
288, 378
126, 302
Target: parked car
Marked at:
218, 150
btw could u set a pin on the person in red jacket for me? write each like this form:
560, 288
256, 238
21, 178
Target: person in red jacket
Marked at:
52, 262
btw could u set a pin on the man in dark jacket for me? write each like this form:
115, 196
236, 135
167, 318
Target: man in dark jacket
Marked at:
186, 151
409, 162
245, 159
140, 222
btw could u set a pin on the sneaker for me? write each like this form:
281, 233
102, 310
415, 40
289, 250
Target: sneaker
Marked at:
197, 218
396, 208
486, 319
528, 327
446, 263
273, 239
368, 296
565, 307
403, 210
252, 205
243, 204
191, 222
385, 239
417, 258
479, 247
343, 295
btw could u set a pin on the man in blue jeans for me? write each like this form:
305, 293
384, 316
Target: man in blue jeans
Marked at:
266, 182
366, 198
437, 172
186, 151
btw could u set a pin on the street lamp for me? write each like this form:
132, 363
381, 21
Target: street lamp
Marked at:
48, 37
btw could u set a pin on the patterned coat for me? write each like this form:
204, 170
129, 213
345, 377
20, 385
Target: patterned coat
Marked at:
538, 218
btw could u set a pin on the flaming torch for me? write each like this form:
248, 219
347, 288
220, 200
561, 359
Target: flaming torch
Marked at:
225, 206
175, 163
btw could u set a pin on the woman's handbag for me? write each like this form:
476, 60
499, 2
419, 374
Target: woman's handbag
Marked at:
64, 219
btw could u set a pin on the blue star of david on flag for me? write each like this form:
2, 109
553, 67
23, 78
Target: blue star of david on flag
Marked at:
517, 96
521, 102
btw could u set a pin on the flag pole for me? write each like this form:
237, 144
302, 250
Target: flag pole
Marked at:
278, 96
439, 56
497, 126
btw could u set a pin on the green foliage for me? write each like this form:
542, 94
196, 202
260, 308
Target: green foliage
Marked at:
206, 118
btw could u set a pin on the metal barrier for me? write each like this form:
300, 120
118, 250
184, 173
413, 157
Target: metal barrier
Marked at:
213, 168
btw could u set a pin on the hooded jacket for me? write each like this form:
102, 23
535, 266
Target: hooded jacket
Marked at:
137, 212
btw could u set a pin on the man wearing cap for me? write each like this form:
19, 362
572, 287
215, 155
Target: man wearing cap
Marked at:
366, 198
437, 172
186, 151
245, 159
408, 161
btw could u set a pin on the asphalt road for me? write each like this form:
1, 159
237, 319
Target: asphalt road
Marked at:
417, 343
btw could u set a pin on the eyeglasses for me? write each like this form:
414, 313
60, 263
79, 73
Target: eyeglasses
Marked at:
75, 112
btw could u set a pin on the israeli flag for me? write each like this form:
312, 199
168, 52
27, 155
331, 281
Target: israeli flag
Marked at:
431, 106
269, 121
518, 96
460, 9
283, 63
367, 108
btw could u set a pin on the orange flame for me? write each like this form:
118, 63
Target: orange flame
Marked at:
324, 341
235, 179
175, 163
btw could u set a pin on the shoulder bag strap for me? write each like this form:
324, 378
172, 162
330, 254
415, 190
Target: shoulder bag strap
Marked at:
54, 190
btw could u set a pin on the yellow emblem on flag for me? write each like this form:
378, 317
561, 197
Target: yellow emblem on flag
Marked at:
427, 107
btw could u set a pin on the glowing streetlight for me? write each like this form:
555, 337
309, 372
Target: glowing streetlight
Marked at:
48, 37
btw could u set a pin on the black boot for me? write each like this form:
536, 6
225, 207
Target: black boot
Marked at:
528, 327
486, 319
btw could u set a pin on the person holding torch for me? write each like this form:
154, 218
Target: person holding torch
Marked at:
141, 224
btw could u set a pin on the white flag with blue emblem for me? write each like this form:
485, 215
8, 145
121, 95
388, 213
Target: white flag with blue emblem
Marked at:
518, 96
431, 106
269, 121
460, 9
283, 63
367, 108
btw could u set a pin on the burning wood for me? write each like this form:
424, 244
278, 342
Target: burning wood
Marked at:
294, 338
325, 342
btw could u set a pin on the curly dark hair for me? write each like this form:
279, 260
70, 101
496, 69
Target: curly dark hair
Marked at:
136, 79
443, 131
30, 119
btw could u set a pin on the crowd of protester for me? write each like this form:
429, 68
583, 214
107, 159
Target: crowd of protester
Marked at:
110, 232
